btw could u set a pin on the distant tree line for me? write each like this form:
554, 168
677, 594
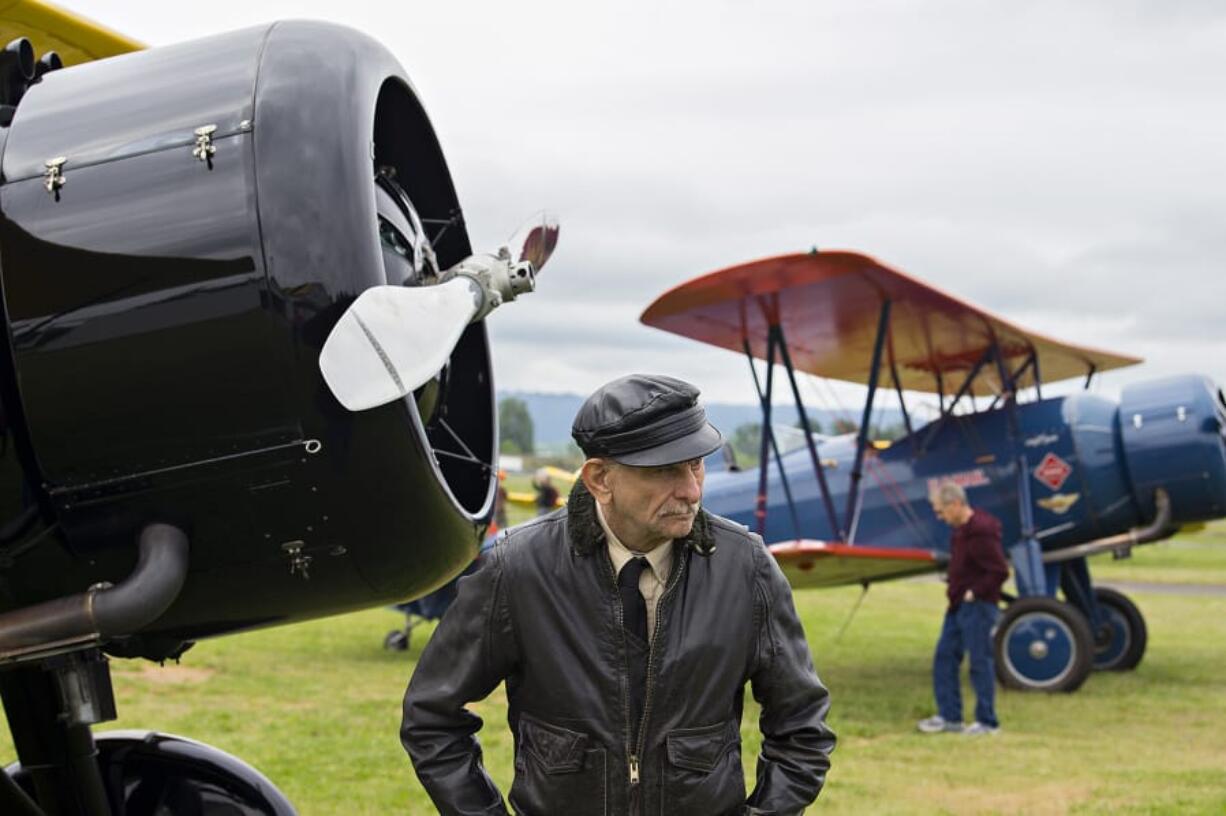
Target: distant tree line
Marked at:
515, 427
746, 440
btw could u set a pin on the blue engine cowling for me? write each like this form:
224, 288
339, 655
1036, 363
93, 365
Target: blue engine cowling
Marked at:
1174, 437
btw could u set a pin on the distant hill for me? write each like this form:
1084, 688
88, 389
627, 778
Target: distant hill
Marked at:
552, 415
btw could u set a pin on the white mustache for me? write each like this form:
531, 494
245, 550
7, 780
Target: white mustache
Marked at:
683, 510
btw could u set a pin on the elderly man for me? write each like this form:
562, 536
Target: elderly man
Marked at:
625, 627
977, 569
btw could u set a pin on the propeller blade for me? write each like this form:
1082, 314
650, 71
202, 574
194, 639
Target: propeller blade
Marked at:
392, 339
536, 240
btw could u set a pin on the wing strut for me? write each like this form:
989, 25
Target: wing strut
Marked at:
768, 440
902, 403
1011, 389
827, 501
1026, 554
853, 491
947, 412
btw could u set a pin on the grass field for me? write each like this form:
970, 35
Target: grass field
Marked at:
316, 707
1193, 558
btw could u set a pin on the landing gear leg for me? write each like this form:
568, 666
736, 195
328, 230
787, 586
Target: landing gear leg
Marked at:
1117, 625
50, 709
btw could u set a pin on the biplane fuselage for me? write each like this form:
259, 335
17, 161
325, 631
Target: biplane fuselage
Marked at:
1068, 477
1092, 465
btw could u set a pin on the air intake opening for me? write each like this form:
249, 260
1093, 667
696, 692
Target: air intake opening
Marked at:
457, 407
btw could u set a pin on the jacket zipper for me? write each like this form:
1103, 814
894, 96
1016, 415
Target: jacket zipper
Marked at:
621, 627
674, 579
633, 752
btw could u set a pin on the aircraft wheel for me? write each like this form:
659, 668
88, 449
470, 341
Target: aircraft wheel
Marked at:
397, 640
1042, 644
146, 772
1120, 645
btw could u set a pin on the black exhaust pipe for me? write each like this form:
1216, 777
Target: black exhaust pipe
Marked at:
49, 61
103, 611
1156, 530
16, 70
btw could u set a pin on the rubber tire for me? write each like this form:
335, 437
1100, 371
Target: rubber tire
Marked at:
397, 640
1138, 633
1082, 660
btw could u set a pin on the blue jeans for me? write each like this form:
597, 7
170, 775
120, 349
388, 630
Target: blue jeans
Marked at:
967, 629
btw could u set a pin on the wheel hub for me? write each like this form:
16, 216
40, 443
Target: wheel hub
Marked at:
1041, 649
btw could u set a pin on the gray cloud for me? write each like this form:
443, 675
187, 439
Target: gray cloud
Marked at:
1060, 164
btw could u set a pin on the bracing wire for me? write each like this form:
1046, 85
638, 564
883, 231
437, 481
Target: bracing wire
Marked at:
897, 499
854, 609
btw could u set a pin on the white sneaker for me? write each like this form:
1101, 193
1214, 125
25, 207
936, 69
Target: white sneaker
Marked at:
975, 729
937, 724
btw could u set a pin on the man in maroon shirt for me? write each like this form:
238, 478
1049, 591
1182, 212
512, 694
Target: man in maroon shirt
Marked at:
977, 569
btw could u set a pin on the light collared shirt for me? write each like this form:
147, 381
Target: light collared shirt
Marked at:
653, 580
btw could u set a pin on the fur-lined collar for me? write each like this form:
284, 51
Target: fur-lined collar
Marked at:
585, 533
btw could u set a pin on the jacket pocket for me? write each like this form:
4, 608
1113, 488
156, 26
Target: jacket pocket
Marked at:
557, 771
702, 770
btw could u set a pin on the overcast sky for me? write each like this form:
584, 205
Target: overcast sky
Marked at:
1063, 164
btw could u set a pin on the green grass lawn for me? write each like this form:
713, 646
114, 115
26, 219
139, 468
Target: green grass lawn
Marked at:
1191, 558
316, 707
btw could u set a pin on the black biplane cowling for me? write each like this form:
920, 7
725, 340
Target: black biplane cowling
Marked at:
180, 228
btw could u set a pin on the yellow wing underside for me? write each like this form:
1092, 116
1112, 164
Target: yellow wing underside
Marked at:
75, 38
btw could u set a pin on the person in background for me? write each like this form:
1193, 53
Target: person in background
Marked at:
546, 493
500, 502
977, 570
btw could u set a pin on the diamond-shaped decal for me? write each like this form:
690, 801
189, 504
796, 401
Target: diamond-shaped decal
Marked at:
1053, 471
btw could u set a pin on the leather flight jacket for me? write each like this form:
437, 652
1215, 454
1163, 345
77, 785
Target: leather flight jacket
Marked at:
543, 613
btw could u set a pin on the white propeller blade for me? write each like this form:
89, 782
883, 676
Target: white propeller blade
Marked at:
392, 339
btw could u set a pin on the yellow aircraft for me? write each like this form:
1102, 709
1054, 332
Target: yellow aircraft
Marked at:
562, 480
48, 28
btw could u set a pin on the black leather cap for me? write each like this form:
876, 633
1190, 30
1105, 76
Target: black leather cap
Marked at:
645, 420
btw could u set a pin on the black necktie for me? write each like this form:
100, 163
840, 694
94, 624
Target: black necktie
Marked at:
634, 621
634, 607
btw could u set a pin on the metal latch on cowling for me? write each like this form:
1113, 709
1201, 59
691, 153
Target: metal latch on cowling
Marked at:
205, 149
299, 562
53, 176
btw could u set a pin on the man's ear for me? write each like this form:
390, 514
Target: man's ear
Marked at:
595, 475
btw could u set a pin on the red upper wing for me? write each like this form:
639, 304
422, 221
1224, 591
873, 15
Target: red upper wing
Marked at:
828, 304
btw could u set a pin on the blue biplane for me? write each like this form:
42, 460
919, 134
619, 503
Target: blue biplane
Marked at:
1068, 476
